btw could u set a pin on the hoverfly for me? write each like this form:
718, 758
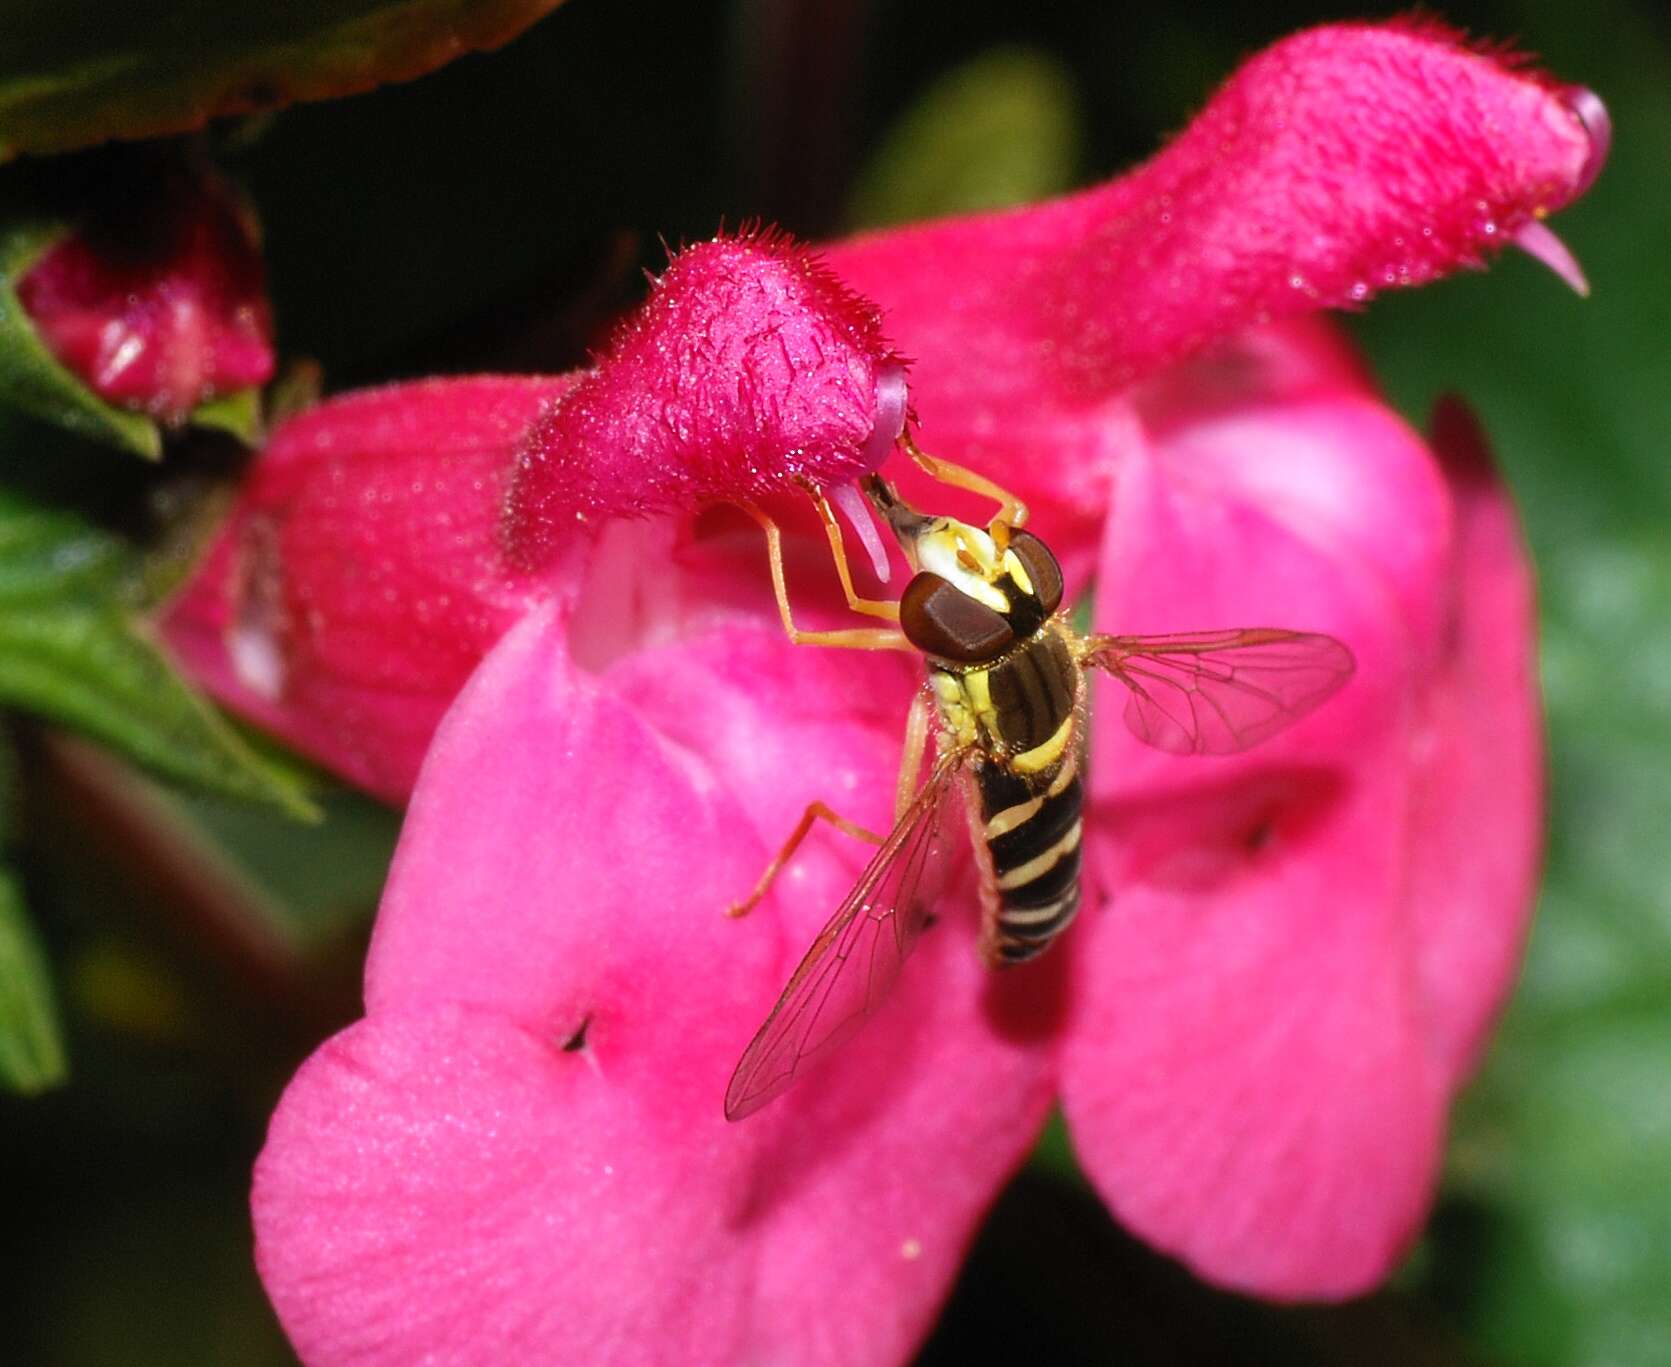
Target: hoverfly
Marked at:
1006, 696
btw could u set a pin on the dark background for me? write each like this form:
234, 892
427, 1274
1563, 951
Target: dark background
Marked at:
495, 214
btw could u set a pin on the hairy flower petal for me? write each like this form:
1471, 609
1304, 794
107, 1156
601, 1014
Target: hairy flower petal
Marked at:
1338, 163
749, 368
387, 538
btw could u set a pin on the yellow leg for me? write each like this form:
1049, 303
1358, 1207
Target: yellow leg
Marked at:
911, 759
1012, 512
816, 811
875, 607
856, 638
910, 766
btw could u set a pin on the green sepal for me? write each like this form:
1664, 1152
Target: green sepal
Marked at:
32, 380
238, 414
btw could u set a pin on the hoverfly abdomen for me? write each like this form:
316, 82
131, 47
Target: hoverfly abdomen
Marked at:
1031, 799
1032, 837
1024, 709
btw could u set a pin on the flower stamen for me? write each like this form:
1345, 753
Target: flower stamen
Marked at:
1537, 239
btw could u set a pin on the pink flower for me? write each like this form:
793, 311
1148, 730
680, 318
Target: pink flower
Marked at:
157, 301
1287, 960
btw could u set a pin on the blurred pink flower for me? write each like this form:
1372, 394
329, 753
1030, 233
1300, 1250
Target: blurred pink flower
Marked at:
1287, 960
158, 300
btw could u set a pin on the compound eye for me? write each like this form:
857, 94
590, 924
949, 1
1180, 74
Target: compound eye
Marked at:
1041, 567
940, 619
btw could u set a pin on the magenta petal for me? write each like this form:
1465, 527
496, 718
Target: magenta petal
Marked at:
1267, 1024
447, 1179
1337, 163
1478, 747
445, 1185
750, 368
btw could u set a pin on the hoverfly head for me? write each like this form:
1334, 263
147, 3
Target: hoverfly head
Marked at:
976, 592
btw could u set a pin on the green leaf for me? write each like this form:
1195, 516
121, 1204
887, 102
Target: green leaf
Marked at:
1002, 129
74, 648
79, 72
319, 882
31, 378
1568, 1132
1053, 1152
31, 1046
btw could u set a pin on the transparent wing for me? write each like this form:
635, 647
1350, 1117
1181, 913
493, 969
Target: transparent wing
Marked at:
1219, 692
853, 963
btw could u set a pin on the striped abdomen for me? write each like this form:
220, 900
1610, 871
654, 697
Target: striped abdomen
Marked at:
1032, 831
1031, 794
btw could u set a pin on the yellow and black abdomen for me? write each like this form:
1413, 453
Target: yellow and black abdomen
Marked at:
1031, 794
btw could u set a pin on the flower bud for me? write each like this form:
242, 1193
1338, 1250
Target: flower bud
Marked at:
156, 299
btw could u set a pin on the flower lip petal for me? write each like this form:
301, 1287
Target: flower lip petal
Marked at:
1213, 1076
453, 1120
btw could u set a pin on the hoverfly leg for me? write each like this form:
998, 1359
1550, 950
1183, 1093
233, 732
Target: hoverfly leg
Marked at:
854, 638
816, 811
910, 768
911, 757
874, 607
1012, 512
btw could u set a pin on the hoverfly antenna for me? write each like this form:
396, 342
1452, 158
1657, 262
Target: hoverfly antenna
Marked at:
881, 494
904, 520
